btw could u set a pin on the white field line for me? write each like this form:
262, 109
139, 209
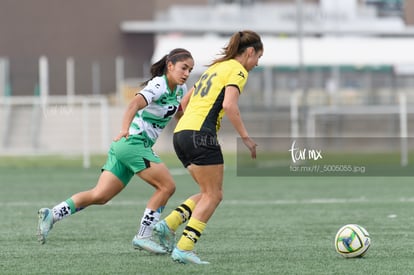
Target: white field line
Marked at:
179, 171
236, 202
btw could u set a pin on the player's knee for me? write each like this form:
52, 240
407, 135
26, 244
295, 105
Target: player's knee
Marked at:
168, 188
215, 197
219, 196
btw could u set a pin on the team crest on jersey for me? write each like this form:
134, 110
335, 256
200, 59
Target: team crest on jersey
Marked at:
179, 94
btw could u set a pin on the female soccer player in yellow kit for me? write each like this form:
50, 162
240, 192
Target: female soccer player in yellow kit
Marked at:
195, 140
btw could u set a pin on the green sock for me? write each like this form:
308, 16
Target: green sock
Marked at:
64, 209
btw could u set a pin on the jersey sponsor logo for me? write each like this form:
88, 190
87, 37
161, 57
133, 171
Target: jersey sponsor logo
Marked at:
170, 111
241, 74
179, 93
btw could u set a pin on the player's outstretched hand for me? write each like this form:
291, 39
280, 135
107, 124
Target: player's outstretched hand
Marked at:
251, 145
121, 135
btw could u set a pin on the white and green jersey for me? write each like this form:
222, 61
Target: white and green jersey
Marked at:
162, 106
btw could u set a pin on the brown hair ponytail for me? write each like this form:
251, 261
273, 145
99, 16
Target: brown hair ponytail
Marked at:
238, 43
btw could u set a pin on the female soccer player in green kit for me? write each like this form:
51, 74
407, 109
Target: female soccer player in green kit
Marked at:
131, 151
195, 141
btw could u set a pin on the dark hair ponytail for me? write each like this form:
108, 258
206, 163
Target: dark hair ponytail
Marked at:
238, 43
160, 67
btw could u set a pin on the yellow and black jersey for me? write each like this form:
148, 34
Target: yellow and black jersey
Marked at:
205, 107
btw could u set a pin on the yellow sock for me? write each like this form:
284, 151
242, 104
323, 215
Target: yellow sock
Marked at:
191, 234
180, 215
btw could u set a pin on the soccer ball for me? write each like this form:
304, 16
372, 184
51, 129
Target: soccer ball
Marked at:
352, 240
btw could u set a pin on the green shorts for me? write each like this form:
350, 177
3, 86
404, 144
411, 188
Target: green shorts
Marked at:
127, 157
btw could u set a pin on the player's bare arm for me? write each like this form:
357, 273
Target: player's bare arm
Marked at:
137, 103
231, 108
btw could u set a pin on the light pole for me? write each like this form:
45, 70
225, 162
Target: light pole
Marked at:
302, 72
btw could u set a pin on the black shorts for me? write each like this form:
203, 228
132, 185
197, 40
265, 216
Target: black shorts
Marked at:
200, 148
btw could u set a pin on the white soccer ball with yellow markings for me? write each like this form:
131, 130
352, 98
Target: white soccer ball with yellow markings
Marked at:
352, 240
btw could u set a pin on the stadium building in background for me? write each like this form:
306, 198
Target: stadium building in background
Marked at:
90, 34
87, 31
330, 67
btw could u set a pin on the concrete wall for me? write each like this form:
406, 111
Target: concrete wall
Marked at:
89, 31
59, 129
